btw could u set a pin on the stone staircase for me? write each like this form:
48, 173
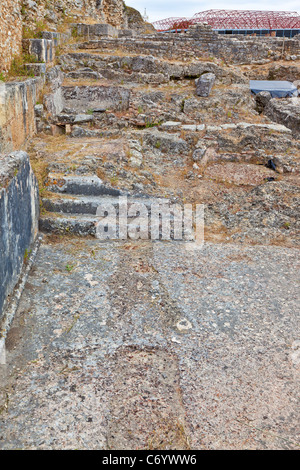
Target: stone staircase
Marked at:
75, 205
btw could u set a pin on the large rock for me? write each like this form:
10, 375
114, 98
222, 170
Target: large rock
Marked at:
204, 84
84, 98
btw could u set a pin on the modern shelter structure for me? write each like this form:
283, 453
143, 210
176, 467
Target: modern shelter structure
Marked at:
277, 23
277, 89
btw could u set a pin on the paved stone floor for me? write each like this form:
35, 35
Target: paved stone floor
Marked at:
149, 346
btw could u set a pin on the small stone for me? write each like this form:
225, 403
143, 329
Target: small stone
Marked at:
184, 325
68, 129
38, 110
262, 99
199, 154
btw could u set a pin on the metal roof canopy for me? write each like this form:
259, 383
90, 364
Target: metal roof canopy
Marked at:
235, 19
277, 89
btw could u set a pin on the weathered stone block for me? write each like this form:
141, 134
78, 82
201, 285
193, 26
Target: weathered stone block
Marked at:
93, 31
10, 32
286, 112
126, 33
42, 49
53, 102
204, 84
57, 38
38, 110
199, 154
51, 35
84, 73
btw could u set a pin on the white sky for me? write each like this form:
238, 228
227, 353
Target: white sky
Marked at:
158, 9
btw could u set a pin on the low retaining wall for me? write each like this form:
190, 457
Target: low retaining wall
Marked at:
19, 212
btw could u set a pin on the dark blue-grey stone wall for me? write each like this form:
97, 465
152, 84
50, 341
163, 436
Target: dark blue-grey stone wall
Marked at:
19, 211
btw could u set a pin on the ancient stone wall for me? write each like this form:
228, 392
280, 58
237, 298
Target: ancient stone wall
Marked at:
17, 122
54, 12
182, 47
136, 22
10, 32
284, 46
19, 212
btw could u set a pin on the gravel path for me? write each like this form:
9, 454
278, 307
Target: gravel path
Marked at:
148, 345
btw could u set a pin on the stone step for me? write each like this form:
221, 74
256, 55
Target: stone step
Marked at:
139, 66
121, 77
155, 48
83, 225
84, 73
88, 205
94, 30
78, 225
89, 185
